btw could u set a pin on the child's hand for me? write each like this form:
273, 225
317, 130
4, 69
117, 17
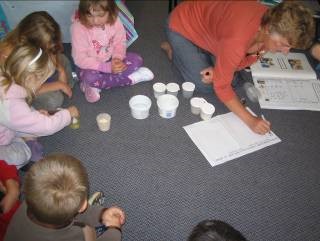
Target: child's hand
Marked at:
113, 216
117, 66
74, 112
207, 75
65, 88
44, 112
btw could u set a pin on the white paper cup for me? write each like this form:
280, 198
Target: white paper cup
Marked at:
159, 89
140, 106
196, 104
207, 111
167, 105
173, 89
187, 89
104, 121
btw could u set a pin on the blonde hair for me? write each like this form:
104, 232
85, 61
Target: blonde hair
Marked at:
56, 188
18, 69
108, 6
292, 21
38, 29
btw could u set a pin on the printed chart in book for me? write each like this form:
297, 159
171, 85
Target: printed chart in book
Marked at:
225, 137
286, 82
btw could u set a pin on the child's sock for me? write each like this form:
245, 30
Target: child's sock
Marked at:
92, 94
140, 75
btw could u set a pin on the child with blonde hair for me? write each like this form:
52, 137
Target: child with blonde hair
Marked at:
22, 74
41, 30
99, 50
56, 205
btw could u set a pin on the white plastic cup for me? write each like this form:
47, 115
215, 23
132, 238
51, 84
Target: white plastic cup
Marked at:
159, 89
140, 106
188, 89
173, 89
207, 111
167, 106
104, 121
196, 104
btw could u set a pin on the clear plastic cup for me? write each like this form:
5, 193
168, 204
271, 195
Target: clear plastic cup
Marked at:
104, 121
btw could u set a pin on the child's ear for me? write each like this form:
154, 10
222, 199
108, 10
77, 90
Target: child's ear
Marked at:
83, 207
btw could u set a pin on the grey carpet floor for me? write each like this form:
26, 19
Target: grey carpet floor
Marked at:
152, 169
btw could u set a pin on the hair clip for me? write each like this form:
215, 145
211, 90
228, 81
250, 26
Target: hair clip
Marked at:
36, 58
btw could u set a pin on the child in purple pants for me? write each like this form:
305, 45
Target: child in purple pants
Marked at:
99, 50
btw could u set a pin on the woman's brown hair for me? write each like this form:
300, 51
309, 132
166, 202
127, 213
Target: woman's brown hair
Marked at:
292, 21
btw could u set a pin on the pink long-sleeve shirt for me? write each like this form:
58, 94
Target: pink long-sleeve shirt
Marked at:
93, 48
17, 118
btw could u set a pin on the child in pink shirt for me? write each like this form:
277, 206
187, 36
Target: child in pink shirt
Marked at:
99, 50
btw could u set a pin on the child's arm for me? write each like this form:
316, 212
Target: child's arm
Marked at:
10, 186
54, 86
11, 195
120, 44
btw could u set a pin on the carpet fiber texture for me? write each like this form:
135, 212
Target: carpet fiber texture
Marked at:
152, 169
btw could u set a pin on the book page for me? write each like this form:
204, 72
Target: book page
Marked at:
277, 65
226, 137
293, 94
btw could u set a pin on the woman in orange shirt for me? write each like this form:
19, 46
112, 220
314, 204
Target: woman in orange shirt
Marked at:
211, 40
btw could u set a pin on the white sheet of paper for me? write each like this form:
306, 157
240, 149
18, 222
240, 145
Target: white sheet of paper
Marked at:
226, 137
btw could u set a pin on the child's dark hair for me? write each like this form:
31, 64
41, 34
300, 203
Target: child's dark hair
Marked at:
215, 230
108, 6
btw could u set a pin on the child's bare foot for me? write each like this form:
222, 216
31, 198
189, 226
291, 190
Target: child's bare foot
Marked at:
166, 47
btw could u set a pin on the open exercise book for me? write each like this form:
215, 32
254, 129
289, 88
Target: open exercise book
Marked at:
286, 82
226, 137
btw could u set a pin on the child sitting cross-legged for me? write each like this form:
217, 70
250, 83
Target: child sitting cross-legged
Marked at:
56, 205
98, 41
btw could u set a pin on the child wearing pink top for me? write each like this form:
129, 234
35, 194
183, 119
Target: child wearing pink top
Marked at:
99, 50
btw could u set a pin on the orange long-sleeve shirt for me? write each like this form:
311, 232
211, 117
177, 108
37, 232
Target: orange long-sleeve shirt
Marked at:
223, 28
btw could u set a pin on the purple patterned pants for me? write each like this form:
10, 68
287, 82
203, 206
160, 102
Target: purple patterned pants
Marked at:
103, 80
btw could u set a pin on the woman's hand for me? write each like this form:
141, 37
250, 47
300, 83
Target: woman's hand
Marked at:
207, 75
259, 125
117, 66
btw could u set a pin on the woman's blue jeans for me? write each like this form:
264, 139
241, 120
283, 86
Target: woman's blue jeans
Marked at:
189, 59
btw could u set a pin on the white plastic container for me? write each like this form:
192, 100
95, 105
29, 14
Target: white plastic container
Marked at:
167, 105
159, 89
173, 89
140, 106
196, 103
188, 89
207, 111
